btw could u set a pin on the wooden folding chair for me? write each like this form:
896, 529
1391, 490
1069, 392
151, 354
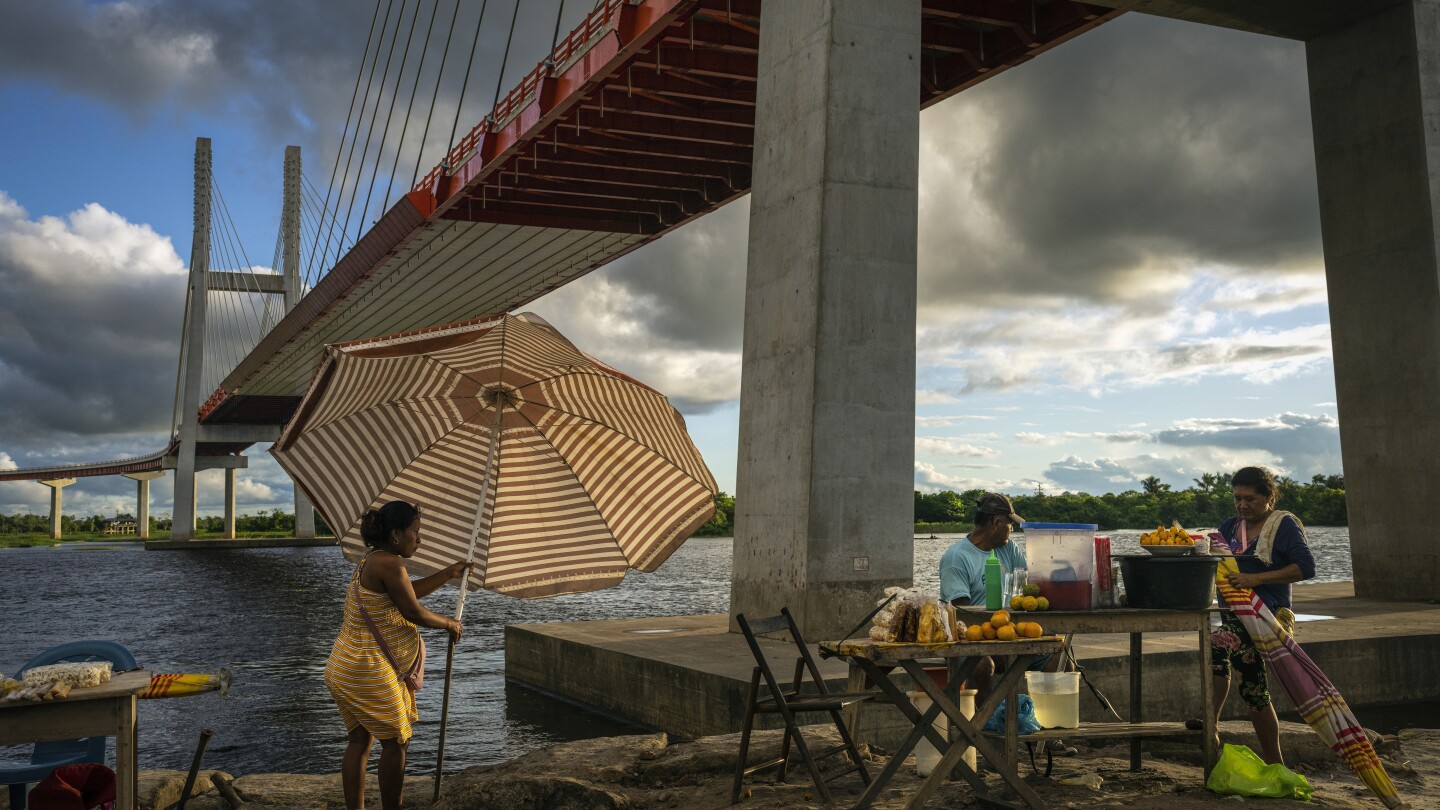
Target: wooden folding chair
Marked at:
790, 702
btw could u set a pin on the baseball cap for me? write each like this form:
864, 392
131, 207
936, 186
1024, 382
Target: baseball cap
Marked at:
994, 503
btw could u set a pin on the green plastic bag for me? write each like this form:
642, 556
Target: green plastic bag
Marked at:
1242, 772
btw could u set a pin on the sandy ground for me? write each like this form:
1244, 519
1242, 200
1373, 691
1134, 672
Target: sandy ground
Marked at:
650, 771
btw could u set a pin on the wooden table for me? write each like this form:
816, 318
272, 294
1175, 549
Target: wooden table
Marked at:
878, 660
1136, 622
106, 710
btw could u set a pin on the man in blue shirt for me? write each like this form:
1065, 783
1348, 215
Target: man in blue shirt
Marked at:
962, 580
962, 567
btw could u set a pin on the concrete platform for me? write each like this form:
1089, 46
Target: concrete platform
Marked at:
216, 543
688, 676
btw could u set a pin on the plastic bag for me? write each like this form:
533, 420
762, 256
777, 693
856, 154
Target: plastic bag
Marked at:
913, 615
1242, 772
1025, 714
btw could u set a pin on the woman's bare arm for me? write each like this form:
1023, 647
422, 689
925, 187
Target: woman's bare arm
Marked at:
390, 570
425, 586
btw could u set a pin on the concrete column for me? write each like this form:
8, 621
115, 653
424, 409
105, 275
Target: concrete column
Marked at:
182, 527
142, 500
304, 515
825, 478
1375, 107
56, 502
229, 503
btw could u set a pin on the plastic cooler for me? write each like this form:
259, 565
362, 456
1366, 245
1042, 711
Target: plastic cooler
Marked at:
1061, 558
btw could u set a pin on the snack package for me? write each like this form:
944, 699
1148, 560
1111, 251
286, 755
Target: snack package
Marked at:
75, 675
914, 616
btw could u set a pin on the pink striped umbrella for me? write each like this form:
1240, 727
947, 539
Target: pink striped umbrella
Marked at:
553, 472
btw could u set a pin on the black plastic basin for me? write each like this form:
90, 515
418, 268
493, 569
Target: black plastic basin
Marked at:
1171, 583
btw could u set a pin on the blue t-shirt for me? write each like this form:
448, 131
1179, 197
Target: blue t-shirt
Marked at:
1290, 547
962, 570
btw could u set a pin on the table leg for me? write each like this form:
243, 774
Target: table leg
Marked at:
1008, 685
854, 685
1136, 663
923, 727
1207, 695
127, 777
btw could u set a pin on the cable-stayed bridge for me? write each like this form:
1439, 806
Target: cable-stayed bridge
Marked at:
638, 121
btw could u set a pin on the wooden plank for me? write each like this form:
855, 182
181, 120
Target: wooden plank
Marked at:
1101, 731
895, 652
1113, 620
1136, 663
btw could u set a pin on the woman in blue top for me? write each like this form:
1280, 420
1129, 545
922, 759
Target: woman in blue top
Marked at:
1272, 555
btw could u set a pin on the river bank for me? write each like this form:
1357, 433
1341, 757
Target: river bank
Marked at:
270, 616
652, 771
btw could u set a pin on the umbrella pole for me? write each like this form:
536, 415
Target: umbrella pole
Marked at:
460, 602
444, 711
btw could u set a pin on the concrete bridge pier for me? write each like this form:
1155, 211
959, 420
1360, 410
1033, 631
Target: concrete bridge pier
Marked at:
1375, 107
824, 490
142, 500
56, 502
229, 503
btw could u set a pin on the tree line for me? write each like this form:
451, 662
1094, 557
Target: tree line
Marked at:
1206, 502
275, 520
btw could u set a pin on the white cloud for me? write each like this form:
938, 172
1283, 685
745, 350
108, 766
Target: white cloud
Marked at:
953, 447
1052, 439
7, 463
1301, 444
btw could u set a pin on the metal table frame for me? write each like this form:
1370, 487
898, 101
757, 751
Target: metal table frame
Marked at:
878, 661
1134, 622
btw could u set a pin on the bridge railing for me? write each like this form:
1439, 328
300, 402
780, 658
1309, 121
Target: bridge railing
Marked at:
574, 44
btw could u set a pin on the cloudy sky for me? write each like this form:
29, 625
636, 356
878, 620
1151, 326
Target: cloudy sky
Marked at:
1120, 262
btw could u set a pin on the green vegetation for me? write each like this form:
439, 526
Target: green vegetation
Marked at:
723, 524
20, 531
1318, 502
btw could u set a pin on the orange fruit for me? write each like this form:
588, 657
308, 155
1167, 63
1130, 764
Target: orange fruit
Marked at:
999, 619
988, 630
974, 633
1016, 602
1006, 633
1034, 630
1030, 603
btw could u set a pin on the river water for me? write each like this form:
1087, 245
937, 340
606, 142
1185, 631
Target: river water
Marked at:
270, 615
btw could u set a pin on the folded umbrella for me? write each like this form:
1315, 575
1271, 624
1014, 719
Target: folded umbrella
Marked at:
1313, 695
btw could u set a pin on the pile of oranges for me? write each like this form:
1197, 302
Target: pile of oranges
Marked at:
1173, 536
1000, 628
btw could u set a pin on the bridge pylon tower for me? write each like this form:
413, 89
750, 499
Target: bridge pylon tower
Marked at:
190, 433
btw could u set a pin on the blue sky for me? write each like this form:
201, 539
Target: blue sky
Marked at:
1120, 263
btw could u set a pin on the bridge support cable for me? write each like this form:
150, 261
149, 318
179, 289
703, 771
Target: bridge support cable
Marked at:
414, 91
370, 130
341, 147
439, 77
355, 139
465, 84
389, 116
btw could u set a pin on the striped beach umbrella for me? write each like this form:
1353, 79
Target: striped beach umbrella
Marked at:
553, 472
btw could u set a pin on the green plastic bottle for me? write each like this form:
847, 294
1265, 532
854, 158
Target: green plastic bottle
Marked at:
994, 576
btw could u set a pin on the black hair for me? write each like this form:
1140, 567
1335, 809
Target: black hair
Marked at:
377, 524
1257, 478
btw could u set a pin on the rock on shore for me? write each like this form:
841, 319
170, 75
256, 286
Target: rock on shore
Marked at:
650, 771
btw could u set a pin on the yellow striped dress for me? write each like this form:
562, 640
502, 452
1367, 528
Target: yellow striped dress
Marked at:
359, 677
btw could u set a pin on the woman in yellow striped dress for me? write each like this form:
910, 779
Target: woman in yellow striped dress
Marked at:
367, 682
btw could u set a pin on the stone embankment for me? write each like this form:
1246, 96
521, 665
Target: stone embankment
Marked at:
651, 771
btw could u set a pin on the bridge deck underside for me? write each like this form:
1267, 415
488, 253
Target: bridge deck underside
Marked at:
644, 122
